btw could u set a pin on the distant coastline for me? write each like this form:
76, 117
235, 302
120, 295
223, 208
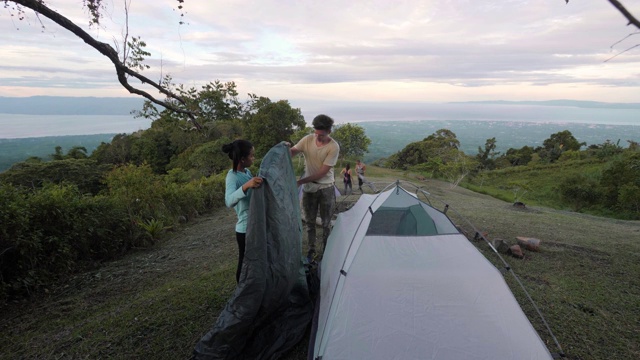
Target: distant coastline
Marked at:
67, 105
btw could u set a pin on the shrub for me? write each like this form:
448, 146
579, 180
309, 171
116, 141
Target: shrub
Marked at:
579, 191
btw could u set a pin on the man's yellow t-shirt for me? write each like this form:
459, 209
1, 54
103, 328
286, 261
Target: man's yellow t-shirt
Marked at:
315, 157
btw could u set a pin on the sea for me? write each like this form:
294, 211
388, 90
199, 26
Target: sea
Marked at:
391, 127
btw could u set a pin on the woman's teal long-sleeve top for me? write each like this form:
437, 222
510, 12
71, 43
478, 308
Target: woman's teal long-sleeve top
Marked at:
236, 198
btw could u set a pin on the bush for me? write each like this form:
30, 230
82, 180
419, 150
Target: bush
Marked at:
48, 232
579, 191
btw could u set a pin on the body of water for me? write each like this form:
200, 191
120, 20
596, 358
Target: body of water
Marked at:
15, 126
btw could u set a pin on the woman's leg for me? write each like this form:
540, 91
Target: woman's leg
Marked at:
241, 239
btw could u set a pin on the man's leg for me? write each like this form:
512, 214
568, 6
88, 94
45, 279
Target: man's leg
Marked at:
327, 203
310, 208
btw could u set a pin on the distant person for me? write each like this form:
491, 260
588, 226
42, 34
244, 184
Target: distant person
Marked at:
361, 168
239, 183
346, 179
318, 193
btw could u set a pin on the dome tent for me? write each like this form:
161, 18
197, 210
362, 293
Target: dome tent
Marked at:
399, 281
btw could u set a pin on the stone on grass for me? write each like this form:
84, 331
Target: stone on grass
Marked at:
528, 243
516, 251
500, 245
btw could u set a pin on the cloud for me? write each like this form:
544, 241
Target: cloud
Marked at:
458, 49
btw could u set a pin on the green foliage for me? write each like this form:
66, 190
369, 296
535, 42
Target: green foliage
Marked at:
515, 157
153, 228
86, 174
269, 123
52, 230
47, 232
486, 157
213, 102
153, 147
116, 152
629, 197
353, 140
580, 181
557, 143
580, 191
439, 147
519, 189
136, 53
206, 159
624, 170
607, 149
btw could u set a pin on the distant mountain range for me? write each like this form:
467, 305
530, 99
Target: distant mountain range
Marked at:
573, 103
67, 105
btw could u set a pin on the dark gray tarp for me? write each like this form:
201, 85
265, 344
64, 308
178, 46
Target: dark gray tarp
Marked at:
270, 310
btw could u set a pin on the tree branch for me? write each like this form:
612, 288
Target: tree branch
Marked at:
626, 13
105, 49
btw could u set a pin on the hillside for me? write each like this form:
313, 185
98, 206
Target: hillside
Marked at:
157, 302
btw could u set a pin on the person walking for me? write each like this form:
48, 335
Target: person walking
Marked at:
361, 168
239, 183
346, 179
318, 195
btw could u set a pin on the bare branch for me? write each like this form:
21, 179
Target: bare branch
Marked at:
622, 52
105, 49
626, 13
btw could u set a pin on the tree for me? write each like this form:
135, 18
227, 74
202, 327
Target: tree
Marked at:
622, 173
486, 156
557, 143
269, 123
128, 63
458, 167
435, 147
352, 139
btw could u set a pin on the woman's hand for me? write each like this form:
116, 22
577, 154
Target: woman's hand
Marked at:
255, 182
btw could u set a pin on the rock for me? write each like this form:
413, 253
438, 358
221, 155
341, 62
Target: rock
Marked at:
519, 205
528, 243
479, 236
516, 251
500, 245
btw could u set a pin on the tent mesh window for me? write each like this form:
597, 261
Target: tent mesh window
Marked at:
396, 221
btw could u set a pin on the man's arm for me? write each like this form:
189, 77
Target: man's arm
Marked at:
313, 177
293, 151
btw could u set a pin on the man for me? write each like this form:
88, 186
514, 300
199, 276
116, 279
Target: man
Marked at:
318, 194
360, 170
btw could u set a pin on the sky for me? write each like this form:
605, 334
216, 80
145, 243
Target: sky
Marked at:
317, 52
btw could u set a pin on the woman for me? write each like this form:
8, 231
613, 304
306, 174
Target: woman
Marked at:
346, 179
239, 183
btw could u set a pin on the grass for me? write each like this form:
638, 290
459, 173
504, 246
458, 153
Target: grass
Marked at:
157, 303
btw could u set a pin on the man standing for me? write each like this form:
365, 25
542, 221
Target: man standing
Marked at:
320, 156
360, 170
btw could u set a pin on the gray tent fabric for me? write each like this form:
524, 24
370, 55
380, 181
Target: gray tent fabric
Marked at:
270, 310
414, 287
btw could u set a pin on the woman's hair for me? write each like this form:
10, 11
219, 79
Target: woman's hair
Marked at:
237, 150
348, 166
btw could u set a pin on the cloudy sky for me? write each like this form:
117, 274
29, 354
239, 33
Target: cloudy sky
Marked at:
317, 51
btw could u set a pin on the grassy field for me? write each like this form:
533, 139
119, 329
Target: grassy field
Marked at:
156, 303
